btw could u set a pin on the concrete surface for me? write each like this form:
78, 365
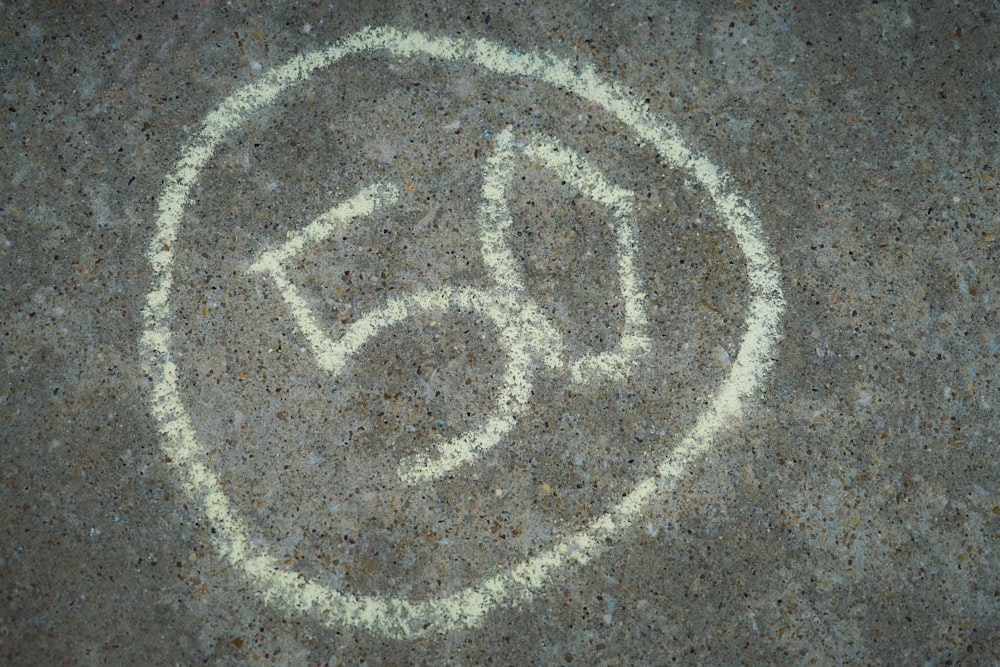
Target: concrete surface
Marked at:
185, 480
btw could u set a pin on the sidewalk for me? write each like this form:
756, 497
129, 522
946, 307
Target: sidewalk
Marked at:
615, 335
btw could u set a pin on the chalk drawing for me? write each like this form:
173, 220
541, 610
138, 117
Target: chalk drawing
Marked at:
524, 332
520, 323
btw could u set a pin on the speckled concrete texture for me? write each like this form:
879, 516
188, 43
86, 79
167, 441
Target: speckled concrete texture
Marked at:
849, 515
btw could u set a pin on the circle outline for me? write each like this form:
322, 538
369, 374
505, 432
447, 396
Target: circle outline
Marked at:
397, 617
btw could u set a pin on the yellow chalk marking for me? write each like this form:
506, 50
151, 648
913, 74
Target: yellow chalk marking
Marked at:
524, 332
330, 355
578, 173
400, 617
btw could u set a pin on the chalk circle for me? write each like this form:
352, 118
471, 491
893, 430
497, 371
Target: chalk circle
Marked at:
400, 617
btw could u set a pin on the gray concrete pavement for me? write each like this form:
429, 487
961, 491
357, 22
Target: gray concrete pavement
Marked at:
351, 334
